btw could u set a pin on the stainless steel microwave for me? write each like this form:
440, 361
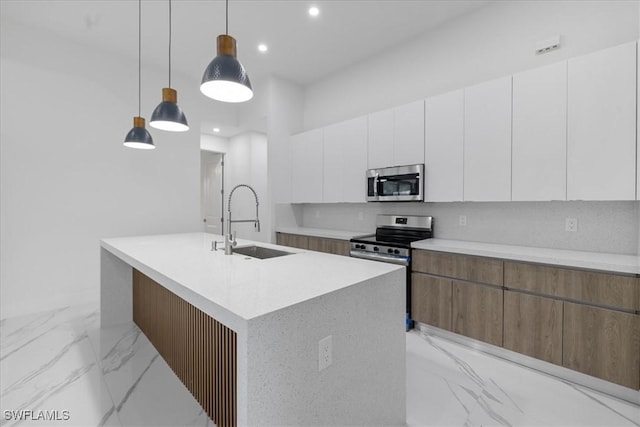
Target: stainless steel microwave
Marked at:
396, 184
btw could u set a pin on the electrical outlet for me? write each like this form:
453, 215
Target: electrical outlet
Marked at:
462, 220
571, 224
325, 353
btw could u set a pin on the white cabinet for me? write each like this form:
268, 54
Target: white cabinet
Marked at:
408, 134
487, 141
345, 161
444, 136
396, 136
540, 134
601, 145
307, 167
638, 128
380, 139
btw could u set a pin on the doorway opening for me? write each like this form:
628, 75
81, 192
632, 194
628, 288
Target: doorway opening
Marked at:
212, 191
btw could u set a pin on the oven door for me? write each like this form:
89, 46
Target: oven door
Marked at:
405, 261
402, 183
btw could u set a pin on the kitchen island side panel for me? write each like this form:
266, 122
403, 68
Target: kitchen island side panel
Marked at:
365, 385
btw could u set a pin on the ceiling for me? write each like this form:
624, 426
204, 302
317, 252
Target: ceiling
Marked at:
302, 49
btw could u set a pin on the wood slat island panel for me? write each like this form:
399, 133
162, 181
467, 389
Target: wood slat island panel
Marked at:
200, 350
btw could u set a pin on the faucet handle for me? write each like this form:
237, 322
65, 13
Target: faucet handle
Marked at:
233, 241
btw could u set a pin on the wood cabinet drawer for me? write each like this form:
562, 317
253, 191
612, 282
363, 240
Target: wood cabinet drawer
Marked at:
431, 300
331, 246
477, 311
591, 287
533, 326
292, 240
603, 343
463, 267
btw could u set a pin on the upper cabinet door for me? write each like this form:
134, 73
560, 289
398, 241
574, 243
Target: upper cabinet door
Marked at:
307, 167
345, 161
487, 141
354, 156
601, 146
333, 142
444, 136
408, 134
638, 128
540, 134
380, 139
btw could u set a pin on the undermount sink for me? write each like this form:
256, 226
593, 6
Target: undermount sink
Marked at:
259, 252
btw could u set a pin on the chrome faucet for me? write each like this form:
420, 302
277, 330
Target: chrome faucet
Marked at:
230, 238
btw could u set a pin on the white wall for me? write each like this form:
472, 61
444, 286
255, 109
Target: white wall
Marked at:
66, 179
246, 163
285, 110
214, 143
493, 41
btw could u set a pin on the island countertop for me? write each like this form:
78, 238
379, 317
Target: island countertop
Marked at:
245, 287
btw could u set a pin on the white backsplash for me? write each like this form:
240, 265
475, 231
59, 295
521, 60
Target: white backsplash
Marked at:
612, 227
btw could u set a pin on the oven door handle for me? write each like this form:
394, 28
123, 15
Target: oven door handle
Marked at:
382, 258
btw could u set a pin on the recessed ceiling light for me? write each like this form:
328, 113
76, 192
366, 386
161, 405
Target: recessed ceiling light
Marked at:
263, 47
216, 130
314, 11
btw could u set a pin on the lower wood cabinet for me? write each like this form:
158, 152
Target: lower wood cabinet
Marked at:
292, 240
583, 320
330, 246
477, 311
603, 343
319, 244
533, 326
463, 267
431, 300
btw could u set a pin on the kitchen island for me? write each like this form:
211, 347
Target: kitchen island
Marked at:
253, 333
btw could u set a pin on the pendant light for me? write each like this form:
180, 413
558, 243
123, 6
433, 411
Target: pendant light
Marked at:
225, 79
139, 137
168, 115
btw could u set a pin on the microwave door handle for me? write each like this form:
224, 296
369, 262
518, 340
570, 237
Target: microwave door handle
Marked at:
375, 185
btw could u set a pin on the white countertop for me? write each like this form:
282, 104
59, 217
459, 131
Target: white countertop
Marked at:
246, 287
321, 232
588, 260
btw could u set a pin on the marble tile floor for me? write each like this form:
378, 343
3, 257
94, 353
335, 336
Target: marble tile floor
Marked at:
60, 369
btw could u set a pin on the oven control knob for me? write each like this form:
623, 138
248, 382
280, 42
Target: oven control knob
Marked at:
376, 249
363, 247
396, 252
390, 250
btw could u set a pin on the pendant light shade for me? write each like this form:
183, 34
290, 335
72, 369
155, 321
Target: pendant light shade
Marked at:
138, 136
168, 115
225, 79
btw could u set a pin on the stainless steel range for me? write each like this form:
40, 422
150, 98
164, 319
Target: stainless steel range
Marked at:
392, 243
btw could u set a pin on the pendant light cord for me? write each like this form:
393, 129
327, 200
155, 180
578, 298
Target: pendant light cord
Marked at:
227, 18
139, 56
169, 43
